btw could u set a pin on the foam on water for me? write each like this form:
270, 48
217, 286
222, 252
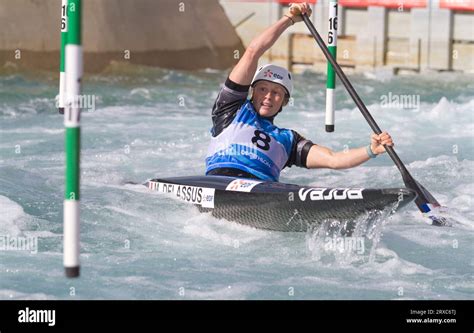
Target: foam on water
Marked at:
11, 217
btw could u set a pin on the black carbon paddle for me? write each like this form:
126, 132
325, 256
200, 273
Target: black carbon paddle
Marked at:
424, 198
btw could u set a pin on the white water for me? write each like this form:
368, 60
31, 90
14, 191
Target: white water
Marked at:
140, 245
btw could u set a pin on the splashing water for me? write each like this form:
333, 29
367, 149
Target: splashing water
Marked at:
348, 242
151, 123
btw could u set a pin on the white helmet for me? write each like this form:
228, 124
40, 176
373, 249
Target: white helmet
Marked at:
275, 74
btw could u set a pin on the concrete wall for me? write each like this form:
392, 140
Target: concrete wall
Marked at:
463, 40
158, 33
264, 13
172, 33
410, 38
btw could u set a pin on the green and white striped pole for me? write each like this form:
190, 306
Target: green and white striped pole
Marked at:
73, 139
62, 75
331, 76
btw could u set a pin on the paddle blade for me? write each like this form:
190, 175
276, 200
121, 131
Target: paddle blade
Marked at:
424, 198
425, 201
428, 195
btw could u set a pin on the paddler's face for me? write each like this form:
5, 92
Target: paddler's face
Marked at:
268, 97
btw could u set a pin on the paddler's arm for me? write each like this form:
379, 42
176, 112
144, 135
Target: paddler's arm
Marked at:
245, 69
323, 157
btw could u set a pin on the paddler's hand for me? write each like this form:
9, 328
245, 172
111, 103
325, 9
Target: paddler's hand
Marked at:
378, 141
297, 9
